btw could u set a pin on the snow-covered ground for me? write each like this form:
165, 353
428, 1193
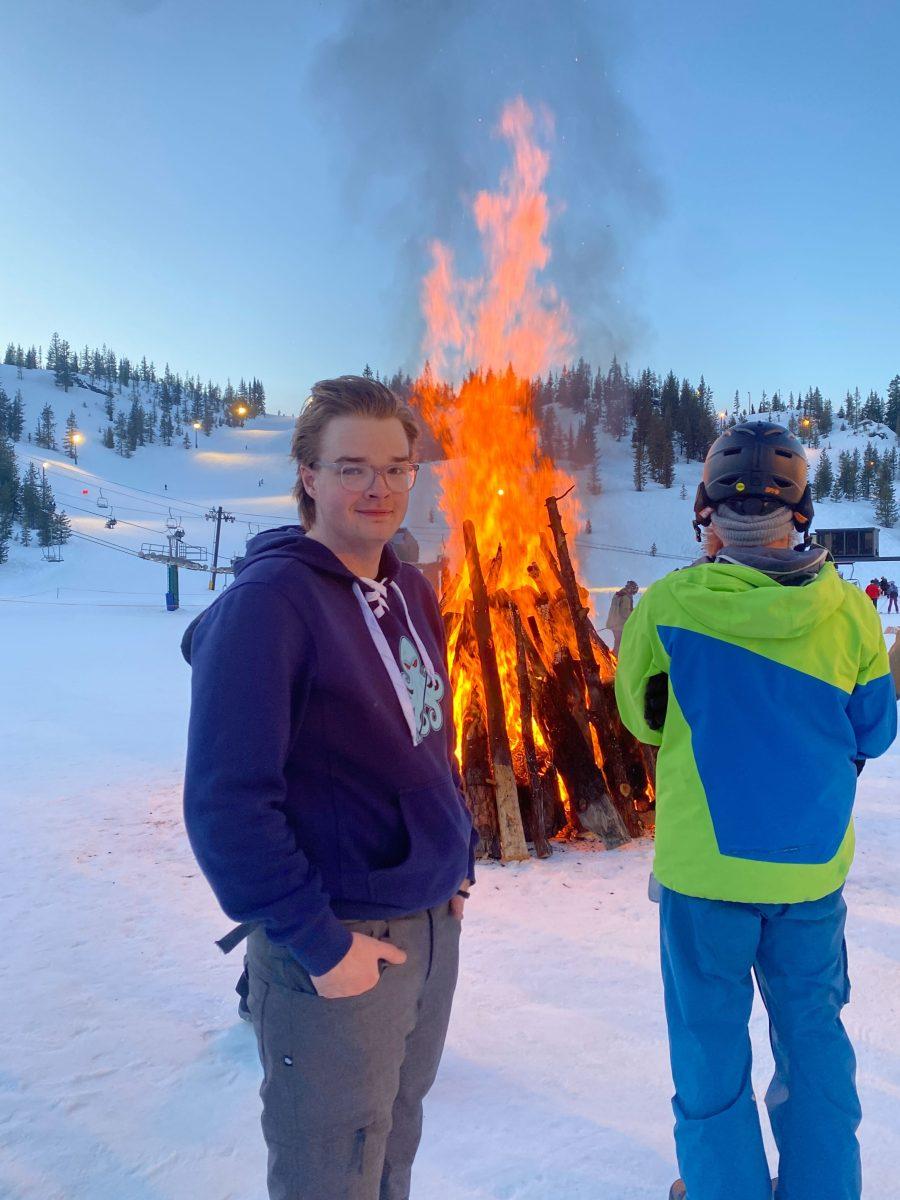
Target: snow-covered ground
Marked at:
125, 1073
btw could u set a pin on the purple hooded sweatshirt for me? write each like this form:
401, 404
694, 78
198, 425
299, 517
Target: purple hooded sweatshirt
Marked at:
321, 782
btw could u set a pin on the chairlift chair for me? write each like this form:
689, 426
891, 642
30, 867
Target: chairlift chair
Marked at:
172, 523
102, 501
111, 521
52, 553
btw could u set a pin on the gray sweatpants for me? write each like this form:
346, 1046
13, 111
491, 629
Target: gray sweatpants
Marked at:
344, 1080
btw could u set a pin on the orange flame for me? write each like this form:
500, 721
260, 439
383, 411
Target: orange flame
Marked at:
497, 332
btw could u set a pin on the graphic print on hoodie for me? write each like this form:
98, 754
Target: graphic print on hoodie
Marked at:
321, 781
426, 691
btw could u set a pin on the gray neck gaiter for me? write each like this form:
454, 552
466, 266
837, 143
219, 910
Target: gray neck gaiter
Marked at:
740, 529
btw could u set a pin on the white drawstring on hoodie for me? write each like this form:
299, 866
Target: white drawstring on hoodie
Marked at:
377, 597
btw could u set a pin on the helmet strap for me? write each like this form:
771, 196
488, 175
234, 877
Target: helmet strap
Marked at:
703, 512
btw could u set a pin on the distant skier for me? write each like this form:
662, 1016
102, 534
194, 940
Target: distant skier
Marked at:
873, 591
730, 667
892, 596
620, 609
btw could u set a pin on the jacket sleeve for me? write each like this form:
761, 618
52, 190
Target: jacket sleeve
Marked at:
641, 656
872, 708
253, 663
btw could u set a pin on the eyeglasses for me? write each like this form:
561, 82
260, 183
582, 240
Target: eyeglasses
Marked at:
359, 477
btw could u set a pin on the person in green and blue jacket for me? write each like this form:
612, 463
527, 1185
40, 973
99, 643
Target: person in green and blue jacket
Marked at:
763, 678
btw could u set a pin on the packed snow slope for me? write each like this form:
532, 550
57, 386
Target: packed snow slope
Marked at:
125, 1073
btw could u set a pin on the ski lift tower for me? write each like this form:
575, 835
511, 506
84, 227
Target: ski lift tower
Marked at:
175, 554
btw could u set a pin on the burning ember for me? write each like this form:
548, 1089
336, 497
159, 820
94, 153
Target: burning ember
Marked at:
540, 743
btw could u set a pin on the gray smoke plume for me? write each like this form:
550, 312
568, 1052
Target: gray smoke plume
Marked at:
412, 90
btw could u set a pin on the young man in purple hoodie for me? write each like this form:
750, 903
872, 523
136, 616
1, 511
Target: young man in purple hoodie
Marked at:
324, 806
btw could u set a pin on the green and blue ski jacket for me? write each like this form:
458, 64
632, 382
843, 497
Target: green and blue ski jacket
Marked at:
773, 692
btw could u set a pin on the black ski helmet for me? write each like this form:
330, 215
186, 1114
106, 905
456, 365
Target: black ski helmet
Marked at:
754, 468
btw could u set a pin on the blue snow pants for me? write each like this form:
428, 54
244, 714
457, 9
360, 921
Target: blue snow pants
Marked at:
710, 950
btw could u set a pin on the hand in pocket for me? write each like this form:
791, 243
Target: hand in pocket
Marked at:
358, 971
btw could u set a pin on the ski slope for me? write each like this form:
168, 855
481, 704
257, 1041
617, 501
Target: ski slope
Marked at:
125, 1073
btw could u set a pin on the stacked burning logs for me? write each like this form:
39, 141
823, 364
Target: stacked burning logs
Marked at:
543, 751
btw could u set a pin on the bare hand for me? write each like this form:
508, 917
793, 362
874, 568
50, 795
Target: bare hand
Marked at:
358, 972
458, 903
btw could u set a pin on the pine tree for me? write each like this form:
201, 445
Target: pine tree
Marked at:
595, 486
9, 359
584, 443
683, 493
615, 401
873, 409
857, 472
661, 452
135, 425
886, 512
550, 435
892, 408
869, 474
846, 485
668, 401
45, 434
17, 417
10, 489
823, 481
69, 446
62, 370
5, 534
46, 513
60, 528
639, 451
109, 440
121, 436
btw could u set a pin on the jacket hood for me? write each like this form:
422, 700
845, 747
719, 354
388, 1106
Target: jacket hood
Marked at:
290, 541
739, 601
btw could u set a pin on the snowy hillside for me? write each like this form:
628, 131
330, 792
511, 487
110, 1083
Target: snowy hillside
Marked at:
125, 1073
248, 471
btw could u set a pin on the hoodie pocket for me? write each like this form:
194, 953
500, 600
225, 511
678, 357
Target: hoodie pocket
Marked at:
438, 829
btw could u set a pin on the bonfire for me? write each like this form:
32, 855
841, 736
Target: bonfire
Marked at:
541, 748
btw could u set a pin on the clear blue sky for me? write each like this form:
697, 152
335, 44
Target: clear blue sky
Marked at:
247, 188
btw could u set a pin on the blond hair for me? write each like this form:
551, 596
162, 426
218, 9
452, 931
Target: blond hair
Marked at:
346, 396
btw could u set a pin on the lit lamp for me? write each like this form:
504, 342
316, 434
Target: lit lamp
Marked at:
77, 439
196, 428
241, 412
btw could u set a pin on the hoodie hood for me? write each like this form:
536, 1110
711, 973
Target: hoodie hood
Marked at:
740, 601
290, 541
